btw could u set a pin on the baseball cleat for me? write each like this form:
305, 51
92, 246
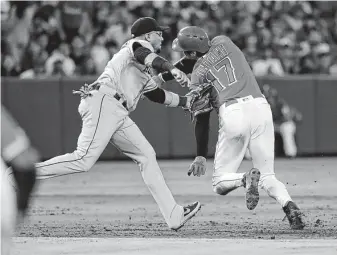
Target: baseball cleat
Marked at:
294, 215
189, 212
251, 181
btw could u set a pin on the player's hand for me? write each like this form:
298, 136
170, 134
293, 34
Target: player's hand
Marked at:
93, 85
85, 90
198, 167
180, 77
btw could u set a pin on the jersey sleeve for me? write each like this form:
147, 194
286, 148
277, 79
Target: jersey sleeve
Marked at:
220, 39
150, 85
195, 80
141, 42
13, 139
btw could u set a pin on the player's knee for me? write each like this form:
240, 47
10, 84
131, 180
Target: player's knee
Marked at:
149, 156
267, 181
223, 188
86, 167
85, 162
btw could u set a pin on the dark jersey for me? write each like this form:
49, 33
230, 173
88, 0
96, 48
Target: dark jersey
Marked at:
226, 67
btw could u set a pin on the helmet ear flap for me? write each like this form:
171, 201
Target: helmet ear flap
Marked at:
176, 45
191, 54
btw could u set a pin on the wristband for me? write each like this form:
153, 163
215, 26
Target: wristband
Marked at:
171, 99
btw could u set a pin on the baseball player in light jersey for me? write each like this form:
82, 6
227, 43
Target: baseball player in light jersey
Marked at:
105, 107
245, 121
16, 151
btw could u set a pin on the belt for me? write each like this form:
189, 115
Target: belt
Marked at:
117, 96
123, 102
241, 100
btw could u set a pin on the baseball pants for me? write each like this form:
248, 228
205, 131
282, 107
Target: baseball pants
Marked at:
246, 124
106, 120
8, 211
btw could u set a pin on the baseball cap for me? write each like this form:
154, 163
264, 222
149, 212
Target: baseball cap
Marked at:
145, 25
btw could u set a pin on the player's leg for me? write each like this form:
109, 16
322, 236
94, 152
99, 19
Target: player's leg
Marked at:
261, 147
231, 147
101, 117
287, 131
130, 140
8, 211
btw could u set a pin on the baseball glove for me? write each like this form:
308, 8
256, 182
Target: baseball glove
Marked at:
199, 100
85, 90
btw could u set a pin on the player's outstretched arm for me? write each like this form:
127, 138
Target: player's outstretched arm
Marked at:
201, 132
166, 97
184, 64
146, 57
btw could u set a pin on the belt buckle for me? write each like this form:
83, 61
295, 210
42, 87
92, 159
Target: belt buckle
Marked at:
117, 96
124, 104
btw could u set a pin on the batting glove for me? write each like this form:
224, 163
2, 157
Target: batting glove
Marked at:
198, 166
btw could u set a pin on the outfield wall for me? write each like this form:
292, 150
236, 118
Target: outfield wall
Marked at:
48, 112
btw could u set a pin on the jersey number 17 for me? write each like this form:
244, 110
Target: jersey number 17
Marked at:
223, 74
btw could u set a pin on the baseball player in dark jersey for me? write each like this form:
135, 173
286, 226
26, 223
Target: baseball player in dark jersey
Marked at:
285, 119
245, 120
17, 152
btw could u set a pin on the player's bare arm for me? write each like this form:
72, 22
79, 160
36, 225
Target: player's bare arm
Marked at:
201, 132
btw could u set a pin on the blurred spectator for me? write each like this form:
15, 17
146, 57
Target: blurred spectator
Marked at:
112, 48
38, 70
19, 34
268, 65
117, 29
294, 33
323, 55
7, 17
250, 50
289, 58
99, 53
87, 68
45, 22
74, 19
9, 65
333, 69
59, 63
79, 50
33, 52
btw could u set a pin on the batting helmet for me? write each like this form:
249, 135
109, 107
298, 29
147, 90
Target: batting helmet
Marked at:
192, 39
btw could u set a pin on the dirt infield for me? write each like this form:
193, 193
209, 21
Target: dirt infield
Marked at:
112, 201
169, 246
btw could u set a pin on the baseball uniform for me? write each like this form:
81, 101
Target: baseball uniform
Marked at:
14, 144
245, 119
106, 119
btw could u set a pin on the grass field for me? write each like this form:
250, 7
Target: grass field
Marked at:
110, 211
